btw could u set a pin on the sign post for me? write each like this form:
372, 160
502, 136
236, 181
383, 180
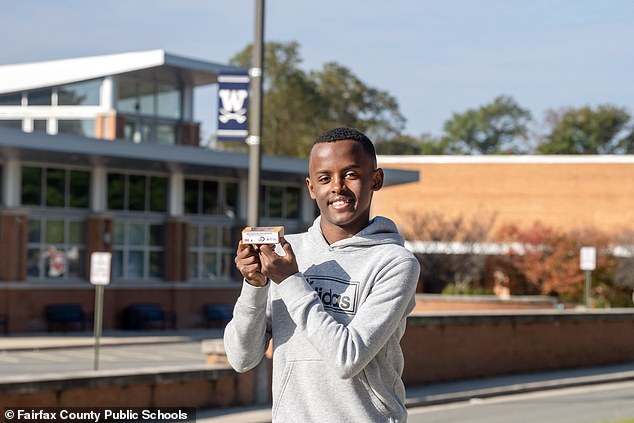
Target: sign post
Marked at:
587, 263
100, 277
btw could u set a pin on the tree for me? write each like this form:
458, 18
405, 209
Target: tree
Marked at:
292, 104
425, 144
584, 130
549, 259
440, 269
500, 127
353, 103
299, 104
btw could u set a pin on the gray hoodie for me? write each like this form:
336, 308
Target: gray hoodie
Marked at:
335, 325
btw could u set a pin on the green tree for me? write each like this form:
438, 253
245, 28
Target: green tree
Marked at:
353, 103
292, 104
298, 104
425, 144
500, 127
604, 130
401, 145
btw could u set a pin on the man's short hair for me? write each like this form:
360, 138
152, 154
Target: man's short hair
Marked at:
344, 133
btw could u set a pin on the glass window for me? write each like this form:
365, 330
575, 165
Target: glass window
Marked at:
156, 264
119, 233
278, 201
145, 91
156, 235
76, 232
55, 187
80, 94
40, 97
165, 134
17, 124
158, 194
137, 192
191, 196
116, 191
211, 253
136, 234
127, 101
210, 236
210, 197
61, 187
168, 101
55, 249
34, 234
292, 200
204, 197
231, 199
55, 231
79, 189
11, 99
136, 196
31, 186
275, 201
81, 127
39, 125
138, 250
136, 267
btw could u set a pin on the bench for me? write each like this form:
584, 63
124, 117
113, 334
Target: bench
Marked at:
217, 315
66, 315
147, 316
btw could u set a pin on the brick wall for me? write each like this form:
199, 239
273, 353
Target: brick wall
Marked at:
452, 346
559, 194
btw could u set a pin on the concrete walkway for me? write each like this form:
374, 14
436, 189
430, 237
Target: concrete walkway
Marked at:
436, 393
51, 340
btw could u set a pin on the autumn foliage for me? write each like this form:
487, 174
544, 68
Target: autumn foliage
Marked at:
536, 259
549, 258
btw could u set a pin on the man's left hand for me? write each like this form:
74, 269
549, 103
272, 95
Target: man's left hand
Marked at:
277, 267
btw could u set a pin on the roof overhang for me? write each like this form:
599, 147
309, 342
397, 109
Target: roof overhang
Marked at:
80, 151
164, 66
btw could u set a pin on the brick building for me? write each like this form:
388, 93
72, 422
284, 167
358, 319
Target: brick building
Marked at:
102, 154
560, 191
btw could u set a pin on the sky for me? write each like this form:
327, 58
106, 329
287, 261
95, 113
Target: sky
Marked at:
436, 57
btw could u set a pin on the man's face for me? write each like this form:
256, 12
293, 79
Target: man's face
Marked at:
342, 179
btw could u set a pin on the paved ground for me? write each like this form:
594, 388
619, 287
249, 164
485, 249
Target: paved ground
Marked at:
34, 362
68, 353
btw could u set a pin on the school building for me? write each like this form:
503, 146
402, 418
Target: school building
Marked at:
103, 154
564, 192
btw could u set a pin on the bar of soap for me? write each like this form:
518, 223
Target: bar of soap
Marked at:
262, 234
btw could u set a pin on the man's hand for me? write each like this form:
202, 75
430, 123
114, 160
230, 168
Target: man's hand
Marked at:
248, 264
277, 267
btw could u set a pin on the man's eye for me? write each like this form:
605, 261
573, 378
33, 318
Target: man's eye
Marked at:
351, 175
324, 179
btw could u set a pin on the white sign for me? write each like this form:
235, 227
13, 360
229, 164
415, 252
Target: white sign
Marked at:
588, 258
100, 268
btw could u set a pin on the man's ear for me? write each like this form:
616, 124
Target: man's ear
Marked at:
378, 177
310, 188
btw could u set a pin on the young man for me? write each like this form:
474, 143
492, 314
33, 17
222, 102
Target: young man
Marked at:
334, 302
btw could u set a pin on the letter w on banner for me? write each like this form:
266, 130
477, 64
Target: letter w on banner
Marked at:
233, 103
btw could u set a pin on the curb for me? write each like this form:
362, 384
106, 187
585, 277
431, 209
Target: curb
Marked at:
520, 388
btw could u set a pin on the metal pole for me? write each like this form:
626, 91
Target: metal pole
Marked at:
253, 140
587, 287
255, 116
97, 322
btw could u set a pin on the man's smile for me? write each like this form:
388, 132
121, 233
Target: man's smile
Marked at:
341, 202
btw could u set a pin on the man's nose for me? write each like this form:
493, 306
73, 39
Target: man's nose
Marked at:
338, 185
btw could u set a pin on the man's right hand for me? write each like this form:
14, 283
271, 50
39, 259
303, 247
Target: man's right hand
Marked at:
248, 264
